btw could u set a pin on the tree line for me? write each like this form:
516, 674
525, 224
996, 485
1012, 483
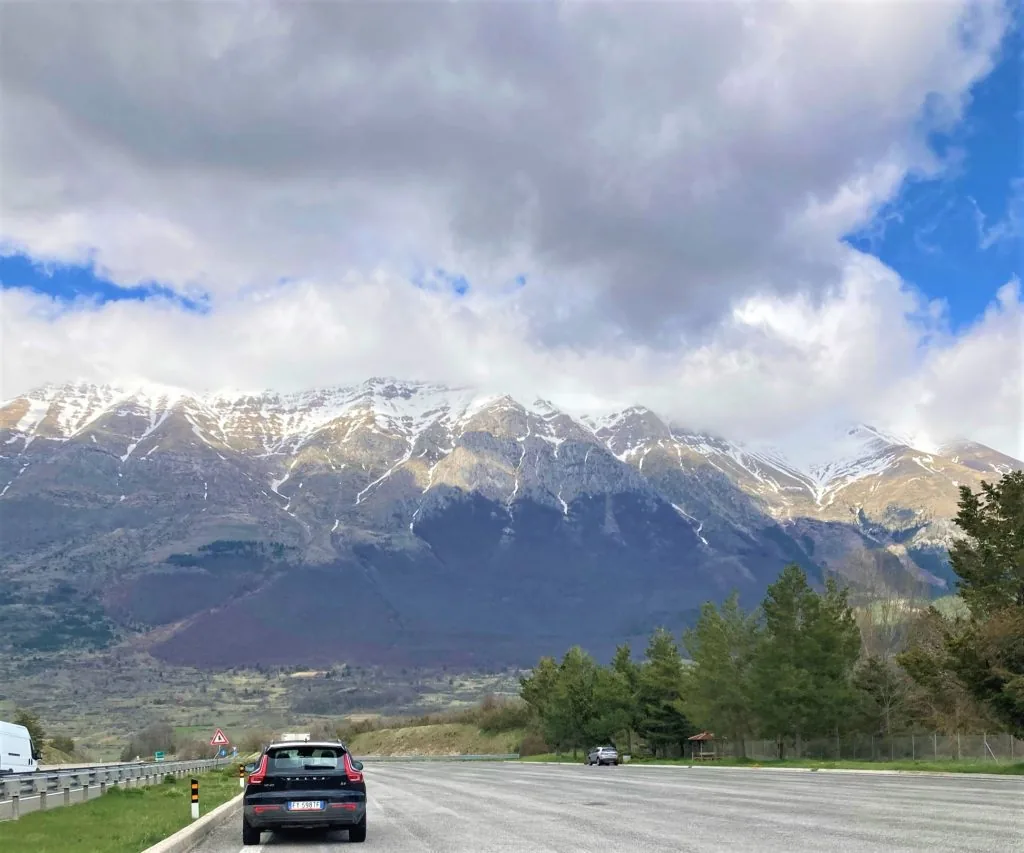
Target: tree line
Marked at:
807, 663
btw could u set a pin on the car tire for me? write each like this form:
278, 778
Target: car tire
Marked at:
357, 833
250, 834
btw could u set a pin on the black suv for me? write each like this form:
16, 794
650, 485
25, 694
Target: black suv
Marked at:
305, 785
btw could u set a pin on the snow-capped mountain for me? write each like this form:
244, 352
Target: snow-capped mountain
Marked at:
472, 494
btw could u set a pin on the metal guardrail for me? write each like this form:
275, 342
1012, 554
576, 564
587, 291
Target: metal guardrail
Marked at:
23, 793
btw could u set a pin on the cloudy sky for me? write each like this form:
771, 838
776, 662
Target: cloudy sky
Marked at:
756, 218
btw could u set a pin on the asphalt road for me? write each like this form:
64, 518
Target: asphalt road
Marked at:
494, 808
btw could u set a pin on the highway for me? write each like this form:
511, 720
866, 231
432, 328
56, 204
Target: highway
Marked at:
500, 808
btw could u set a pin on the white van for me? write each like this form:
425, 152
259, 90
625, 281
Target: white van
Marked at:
18, 754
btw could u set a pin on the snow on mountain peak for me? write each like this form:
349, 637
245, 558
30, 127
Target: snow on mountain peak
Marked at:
822, 459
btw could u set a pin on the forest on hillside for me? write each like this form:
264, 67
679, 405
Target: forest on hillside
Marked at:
809, 664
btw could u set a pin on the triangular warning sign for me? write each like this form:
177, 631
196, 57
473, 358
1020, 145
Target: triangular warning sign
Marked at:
219, 739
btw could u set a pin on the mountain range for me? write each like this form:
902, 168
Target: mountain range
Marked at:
415, 523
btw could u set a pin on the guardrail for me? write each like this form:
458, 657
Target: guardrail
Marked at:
23, 793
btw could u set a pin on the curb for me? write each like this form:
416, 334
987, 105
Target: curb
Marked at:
765, 767
187, 838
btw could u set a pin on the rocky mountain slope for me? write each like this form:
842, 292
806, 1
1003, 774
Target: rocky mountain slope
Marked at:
415, 522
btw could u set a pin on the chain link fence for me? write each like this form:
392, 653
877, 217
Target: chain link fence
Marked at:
912, 747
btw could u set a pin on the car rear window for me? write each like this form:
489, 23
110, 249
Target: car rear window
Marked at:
289, 759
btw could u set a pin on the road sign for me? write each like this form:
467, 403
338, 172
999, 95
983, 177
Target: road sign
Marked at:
219, 739
158, 756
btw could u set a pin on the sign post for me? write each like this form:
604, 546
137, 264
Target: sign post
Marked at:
195, 799
241, 775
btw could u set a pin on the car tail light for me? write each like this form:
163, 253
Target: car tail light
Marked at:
257, 776
352, 774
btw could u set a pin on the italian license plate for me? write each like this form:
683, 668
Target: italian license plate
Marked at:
306, 806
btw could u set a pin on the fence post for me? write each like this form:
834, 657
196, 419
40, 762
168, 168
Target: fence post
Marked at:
958, 745
935, 744
15, 806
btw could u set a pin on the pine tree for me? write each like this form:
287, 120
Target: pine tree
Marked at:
985, 652
663, 722
628, 670
574, 704
30, 720
802, 670
722, 647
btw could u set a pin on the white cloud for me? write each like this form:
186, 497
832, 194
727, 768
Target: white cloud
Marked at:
674, 180
871, 351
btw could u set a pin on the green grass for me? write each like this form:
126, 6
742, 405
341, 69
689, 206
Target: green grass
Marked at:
124, 820
439, 739
1002, 768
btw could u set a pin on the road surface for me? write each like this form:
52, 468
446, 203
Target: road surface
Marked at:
500, 808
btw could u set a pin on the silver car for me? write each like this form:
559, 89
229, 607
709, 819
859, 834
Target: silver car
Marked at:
603, 755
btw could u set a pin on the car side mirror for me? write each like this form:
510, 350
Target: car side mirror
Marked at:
357, 765
249, 768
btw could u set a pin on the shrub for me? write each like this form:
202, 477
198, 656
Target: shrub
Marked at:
533, 744
502, 715
63, 743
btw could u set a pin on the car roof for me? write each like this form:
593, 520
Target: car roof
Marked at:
333, 744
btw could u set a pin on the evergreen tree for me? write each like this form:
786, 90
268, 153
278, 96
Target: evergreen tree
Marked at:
722, 647
984, 652
628, 671
662, 720
571, 715
30, 720
613, 707
802, 670
783, 686
833, 643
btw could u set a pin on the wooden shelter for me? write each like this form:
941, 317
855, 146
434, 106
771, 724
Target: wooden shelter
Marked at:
705, 743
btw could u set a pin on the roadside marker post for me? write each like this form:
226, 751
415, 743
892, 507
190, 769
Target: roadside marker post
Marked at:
195, 799
241, 775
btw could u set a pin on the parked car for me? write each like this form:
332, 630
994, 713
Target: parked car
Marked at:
603, 755
305, 785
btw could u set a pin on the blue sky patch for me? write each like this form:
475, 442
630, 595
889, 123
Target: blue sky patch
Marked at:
957, 237
68, 282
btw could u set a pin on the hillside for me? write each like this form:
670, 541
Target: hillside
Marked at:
441, 525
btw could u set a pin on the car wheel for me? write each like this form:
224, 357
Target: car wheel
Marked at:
357, 833
250, 834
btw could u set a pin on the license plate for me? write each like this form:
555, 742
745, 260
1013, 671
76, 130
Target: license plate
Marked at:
306, 806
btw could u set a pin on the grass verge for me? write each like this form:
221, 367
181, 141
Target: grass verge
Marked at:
1001, 768
124, 820
440, 739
